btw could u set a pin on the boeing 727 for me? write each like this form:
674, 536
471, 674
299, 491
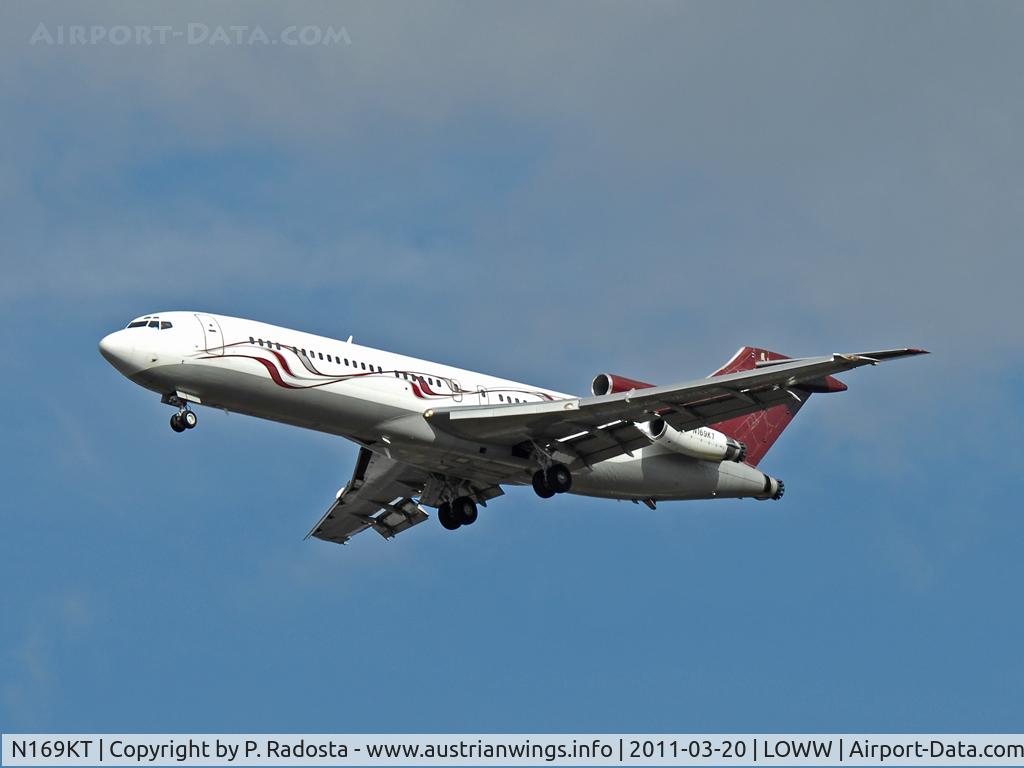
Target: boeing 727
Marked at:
434, 436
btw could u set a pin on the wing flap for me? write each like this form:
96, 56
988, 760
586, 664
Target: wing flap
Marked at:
604, 442
376, 497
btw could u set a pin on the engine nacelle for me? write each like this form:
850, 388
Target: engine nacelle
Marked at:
703, 443
773, 489
609, 384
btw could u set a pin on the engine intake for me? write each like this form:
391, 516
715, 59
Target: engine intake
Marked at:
702, 443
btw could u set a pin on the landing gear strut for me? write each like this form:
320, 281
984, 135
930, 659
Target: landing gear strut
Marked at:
455, 514
555, 479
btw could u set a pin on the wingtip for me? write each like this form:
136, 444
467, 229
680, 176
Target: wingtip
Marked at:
886, 354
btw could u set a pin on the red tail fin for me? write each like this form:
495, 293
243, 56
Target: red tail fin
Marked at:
760, 430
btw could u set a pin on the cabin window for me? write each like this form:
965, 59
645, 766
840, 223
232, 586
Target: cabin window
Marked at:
329, 359
252, 340
379, 369
260, 342
321, 354
363, 365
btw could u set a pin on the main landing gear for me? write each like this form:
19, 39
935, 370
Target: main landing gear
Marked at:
555, 479
184, 419
455, 514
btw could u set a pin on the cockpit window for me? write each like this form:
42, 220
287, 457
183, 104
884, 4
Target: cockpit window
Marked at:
151, 322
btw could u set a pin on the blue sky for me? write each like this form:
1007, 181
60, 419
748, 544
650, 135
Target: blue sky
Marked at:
544, 191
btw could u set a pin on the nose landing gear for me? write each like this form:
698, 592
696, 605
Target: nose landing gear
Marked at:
184, 419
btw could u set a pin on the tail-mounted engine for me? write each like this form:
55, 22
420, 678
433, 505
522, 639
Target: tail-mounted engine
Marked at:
610, 384
703, 443
773, 489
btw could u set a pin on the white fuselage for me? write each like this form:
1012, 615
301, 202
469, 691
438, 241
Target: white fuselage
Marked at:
377, 399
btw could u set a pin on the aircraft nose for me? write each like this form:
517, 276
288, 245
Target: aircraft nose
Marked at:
119, 351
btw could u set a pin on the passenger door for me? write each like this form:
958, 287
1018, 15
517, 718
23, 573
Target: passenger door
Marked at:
212, 334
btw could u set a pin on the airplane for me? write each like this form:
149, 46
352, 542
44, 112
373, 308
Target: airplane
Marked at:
434, 436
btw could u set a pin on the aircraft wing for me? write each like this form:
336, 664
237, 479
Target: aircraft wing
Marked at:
596, 428
378, 496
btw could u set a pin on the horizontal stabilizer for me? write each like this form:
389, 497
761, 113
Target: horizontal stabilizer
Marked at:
759, 430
